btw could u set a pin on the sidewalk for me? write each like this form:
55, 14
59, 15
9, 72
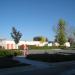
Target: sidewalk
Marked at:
40, 68
61, 68
36, 64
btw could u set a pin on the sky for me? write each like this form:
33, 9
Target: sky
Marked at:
34, 17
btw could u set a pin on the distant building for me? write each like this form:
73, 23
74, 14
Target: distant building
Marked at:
50, 43
10, 44
67, 44
56, 44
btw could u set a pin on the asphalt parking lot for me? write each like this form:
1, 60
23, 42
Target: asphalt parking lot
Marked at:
51, 51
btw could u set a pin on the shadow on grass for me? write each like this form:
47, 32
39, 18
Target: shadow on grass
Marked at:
57, 57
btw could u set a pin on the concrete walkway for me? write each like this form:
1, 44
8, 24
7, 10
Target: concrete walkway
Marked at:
40, 68
36, 64
61, 68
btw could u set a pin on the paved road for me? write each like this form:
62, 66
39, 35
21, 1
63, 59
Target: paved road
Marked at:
50, 51
64, 69
38, 72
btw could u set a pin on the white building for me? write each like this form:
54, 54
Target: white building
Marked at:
56, 44
9, 44
67, 44
50, 43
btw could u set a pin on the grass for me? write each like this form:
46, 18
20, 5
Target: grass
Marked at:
8, 62
51, 57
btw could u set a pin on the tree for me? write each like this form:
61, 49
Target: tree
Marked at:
37, 38
71, 40
61, 34
16, 35
40, 38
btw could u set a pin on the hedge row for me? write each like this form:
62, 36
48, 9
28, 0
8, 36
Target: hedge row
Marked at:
4, 53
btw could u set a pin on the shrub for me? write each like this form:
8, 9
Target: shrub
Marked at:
7, 53
51, 57
62, 47
17, 53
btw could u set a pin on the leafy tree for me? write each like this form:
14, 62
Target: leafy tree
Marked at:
40, 38
61, 34
16, 35
43, 39
37, 38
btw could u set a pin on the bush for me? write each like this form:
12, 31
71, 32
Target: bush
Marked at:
62, 47
72, 47
51, 57
15, 53
7, 53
